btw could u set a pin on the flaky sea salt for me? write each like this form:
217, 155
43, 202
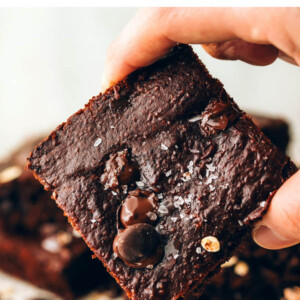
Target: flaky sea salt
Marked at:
114, 193
124, 187
210, 167
240, 223
164, 147
140, 183
151, 215
149, 267
198, 250
262, 204
195, 119
188, 199
160, 196
163, 210
174, 219
97, 142
159, 285
191, 167
112, 126
168, 173
186, 176
93, 221
211, 178
194, 151
180, 201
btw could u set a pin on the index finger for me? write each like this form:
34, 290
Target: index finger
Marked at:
154, 31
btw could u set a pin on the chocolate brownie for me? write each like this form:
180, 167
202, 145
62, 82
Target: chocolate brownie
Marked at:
276, 129
169, 136
37, 243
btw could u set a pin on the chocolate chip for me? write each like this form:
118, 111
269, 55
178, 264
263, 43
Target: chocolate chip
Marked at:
138, 207
218, 115
138, 245
118, 170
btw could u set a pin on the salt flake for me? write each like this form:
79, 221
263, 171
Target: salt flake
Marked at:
195, 118
168, 173
194, 151
160, 196
262, 204
163, 210
97, 142
151, 215
140, 183
164, 147
198, 250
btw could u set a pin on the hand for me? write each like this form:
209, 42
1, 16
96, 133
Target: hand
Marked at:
255, 35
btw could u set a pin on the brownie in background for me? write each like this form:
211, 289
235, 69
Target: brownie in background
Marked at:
276, 129
37, 243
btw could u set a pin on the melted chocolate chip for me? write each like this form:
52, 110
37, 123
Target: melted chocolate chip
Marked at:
138, 207
218, 115
118, 170
138, 245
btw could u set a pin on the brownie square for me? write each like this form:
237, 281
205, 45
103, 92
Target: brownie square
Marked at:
163, 176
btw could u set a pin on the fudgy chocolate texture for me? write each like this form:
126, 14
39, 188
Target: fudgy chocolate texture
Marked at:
212, 170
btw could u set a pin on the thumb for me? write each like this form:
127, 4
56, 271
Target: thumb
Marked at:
280, 227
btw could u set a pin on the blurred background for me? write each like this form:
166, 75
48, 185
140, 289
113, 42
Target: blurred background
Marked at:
51, 64
52, 59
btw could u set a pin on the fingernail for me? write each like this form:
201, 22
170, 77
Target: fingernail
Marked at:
267, 238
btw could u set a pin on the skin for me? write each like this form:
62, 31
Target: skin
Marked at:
255, 35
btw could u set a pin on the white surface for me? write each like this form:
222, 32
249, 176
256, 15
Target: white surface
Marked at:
51, 63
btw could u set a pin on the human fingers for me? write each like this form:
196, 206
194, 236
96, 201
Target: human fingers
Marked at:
280, 227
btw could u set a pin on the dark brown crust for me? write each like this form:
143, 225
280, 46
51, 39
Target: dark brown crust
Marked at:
235, 170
